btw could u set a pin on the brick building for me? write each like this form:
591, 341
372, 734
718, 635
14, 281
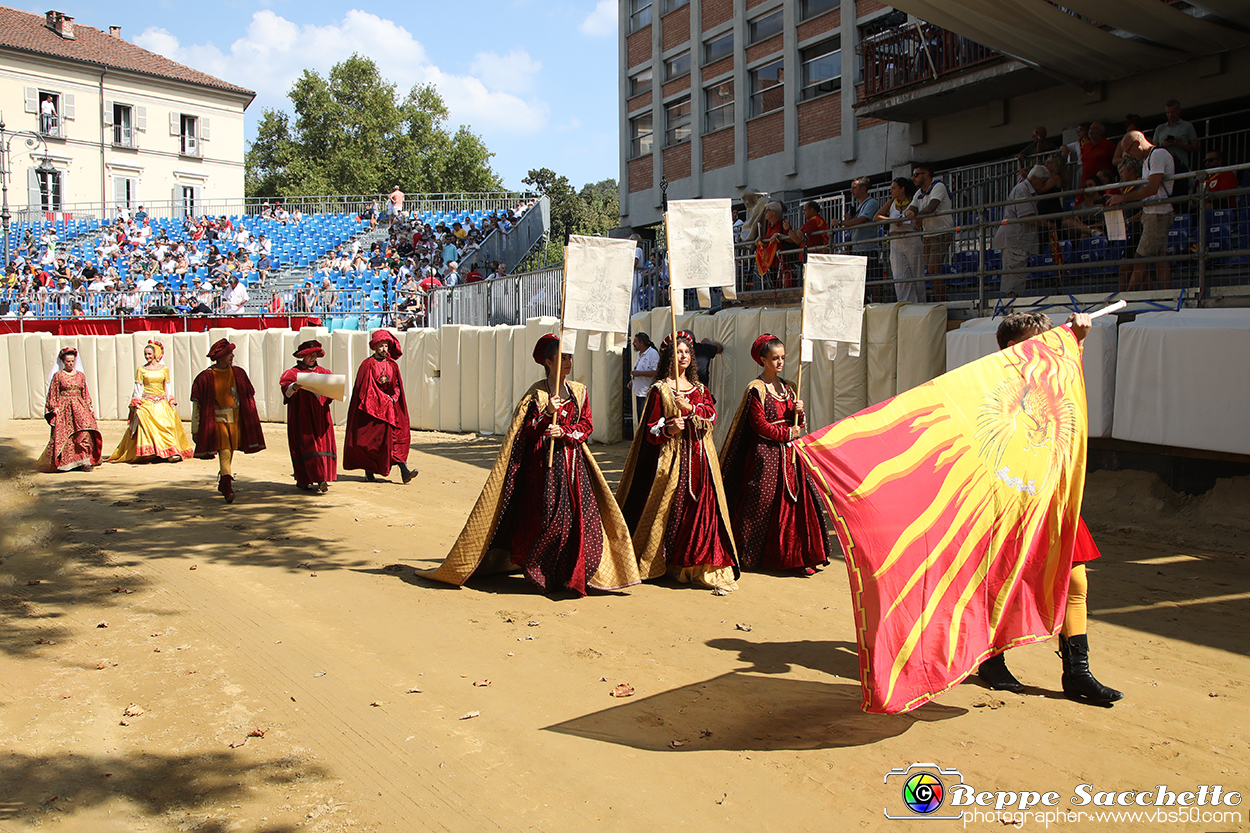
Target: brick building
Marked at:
797, 97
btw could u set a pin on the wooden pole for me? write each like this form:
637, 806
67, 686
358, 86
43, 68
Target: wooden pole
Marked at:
671, 308
564, 294
798, 386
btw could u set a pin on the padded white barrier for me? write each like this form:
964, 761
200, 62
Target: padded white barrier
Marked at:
487, 383
976, 338
504, 397
431, 382
1182, 380
470, 378
524, 371
6, 402
921, 344
452, 372
881, 326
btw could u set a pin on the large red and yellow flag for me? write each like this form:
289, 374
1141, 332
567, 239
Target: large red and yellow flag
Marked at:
957, 504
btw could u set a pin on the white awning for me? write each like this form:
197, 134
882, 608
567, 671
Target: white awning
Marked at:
1055, 41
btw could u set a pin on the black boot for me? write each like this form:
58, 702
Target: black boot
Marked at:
995, 674
1078, 683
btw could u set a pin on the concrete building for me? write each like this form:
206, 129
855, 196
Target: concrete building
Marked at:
123, 125
706, 102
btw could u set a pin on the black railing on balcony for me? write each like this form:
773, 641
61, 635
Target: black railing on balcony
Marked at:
912, 54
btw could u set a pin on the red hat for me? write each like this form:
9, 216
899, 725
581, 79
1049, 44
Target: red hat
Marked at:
387, 336
309, 348
540, 349
220, 350
757, 348
66, 351
686, 334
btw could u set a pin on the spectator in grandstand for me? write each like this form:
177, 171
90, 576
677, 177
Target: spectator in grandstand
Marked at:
473, 275
501, 271
813, 235
1156, 215
371, 215
1072, 150
450, 275
235, 297
1097, 154
22, 311
906, 253
1178, 136
1222, 181
930, 208
1062, 227
328, 295
1039, 146
397, 204
1016, 238
429, 282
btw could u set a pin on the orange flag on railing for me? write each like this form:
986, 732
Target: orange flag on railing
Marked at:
957, 505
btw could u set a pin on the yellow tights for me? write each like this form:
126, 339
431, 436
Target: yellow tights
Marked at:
1074, 618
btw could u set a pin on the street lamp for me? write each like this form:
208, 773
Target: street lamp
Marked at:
32, 140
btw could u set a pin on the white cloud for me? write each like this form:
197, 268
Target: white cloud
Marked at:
601, 22
274, 52
513, 72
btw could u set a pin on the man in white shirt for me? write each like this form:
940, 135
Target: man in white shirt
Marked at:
1018, 240
643, 373
235, 298
928, 206
241, 237
146, 284
1157, 163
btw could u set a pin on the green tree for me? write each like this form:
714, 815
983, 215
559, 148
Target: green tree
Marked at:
352, 134
593, 210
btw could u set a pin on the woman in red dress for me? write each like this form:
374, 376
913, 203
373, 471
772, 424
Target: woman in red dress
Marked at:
558, 523
75, 442
671, 491
378, 431
777, 523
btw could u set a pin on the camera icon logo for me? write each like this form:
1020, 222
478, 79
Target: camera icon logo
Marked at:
923, 789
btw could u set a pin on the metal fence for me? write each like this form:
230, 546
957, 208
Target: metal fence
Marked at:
508, 300
915, 53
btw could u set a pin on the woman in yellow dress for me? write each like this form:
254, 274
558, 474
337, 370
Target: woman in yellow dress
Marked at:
155, 431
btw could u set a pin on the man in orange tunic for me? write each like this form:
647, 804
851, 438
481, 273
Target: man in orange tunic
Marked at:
224, 419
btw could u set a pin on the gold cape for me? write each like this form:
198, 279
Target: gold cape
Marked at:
649, 534
470, 554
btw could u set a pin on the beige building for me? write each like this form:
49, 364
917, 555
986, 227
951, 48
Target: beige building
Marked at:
124, 126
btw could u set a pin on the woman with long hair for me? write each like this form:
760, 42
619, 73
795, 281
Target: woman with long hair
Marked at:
155, 432
906, 253
557, 521
671, 491
777, 523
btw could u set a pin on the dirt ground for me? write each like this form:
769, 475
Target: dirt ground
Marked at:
171, 663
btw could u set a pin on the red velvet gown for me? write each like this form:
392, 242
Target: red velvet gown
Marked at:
75, 440
694, 536
777, 521
378, 432
550, 520
309, 431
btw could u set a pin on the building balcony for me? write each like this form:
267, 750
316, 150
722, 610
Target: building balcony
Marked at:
913, 72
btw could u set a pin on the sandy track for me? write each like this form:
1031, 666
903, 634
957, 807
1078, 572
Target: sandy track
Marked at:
301, 617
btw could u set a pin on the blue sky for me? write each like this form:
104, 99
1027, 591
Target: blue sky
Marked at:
536, 80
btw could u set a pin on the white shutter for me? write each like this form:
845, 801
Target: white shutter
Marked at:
108, 113
141, 118
67, 106
32, 99
198, 198
175, 125
62, 176
32, 189
203, 129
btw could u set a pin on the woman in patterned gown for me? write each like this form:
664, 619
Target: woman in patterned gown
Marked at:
671, 492
777, 521
558, 523
155, 432
75, 442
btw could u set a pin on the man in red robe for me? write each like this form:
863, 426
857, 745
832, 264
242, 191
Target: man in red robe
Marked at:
378, 431
224, 419
309, 426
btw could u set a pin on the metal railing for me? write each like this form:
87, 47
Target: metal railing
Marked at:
913, 54
508, 300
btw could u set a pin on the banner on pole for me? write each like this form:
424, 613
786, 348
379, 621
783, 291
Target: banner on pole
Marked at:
833, 297
599, 277
701, 245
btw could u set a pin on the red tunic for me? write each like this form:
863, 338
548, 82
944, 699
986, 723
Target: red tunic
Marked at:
378, 432
203, 392
694, 536
550, 520
777, 521
309, 431
75, 439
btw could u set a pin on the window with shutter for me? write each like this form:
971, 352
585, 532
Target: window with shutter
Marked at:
32, 100
69, 109
141, 118
175, 123
203, 130
108, 113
